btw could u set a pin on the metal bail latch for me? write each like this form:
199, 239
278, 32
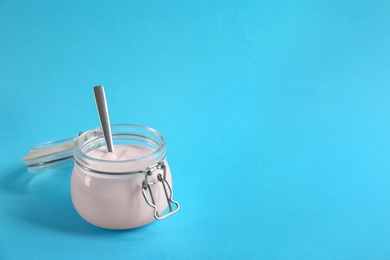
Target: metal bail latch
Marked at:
160, 178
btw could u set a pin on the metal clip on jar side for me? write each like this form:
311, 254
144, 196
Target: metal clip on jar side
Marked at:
146, 185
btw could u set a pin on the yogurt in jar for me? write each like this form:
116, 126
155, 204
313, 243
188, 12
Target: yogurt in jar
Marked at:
108, 189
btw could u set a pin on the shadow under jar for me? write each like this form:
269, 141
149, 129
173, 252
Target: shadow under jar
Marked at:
127, 189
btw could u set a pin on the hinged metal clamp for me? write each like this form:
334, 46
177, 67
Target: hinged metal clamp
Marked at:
146, 185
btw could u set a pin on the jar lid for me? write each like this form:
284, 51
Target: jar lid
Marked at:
50, 155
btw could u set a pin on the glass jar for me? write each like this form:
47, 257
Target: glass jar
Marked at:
115, 194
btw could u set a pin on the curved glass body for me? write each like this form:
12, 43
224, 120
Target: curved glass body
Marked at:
107, 192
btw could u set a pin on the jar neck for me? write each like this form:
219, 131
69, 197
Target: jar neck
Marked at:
127, 135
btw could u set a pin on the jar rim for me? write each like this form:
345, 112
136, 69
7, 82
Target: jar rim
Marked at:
158, 154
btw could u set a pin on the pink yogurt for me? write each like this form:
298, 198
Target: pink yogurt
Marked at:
106, 188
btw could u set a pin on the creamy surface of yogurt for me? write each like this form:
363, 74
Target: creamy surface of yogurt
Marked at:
121, 152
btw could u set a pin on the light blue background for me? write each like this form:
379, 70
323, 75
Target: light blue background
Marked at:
276, 115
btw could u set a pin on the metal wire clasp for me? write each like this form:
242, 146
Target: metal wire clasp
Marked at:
146, 185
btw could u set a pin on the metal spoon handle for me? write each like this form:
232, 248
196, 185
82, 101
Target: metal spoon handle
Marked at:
101, 104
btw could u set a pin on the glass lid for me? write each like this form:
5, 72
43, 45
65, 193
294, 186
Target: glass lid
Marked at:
50, 155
